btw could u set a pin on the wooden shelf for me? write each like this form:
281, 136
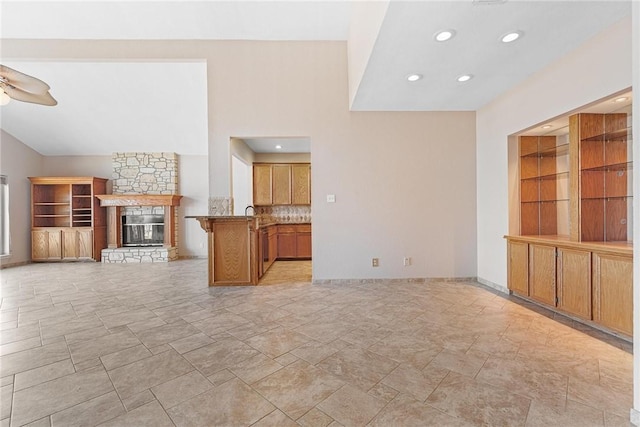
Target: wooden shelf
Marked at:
67, 220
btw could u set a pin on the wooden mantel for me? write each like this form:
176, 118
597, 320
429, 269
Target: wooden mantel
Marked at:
139, 199
114, 202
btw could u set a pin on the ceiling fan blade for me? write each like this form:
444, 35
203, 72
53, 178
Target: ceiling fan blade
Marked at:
23, 81
35, 98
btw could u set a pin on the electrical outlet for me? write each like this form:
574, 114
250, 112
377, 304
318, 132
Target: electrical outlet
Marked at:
406, 261
375, 262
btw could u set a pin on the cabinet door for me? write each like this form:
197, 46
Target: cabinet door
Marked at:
273, 245
281, 184
518, 274
262, 185
301, 184
574, 282
286, 243
69, 244
85, 243
40, 240
542, 274
613, 292
303, 245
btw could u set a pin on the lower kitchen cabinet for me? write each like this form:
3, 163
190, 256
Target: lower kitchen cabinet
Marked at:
287, 241
589, 281
613, 292
294, 241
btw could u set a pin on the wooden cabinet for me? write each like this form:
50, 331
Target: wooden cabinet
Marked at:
613, 292
574, 282
46, 244
542, 274
301, 184
281, 184
605, 168
66, 218
589, 281
544, 190
518, 267
294, 241
262, 186
287, 241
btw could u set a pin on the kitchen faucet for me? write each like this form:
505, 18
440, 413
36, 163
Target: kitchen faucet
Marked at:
247, 208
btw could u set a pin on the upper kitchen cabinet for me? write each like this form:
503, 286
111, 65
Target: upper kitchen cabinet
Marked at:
281, 184
301, 184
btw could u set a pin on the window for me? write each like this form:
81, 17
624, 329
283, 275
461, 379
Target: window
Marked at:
4, 216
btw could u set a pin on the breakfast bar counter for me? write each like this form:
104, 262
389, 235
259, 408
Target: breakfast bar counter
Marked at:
233, 249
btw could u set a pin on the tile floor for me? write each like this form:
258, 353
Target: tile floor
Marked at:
130, 345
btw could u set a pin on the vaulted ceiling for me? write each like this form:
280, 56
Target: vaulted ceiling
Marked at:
402, 43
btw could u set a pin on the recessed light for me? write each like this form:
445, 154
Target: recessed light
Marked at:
511, 37
546, 127
278, 147
465, 78
621, 99
443, 36
414, 77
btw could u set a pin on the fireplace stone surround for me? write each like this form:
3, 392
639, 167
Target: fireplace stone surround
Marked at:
116, 204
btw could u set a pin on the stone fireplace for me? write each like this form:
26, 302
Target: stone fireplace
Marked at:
142, 211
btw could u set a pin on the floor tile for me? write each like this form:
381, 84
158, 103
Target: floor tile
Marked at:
107, 344
408, 412
218, 407
276, 418
191, 342
542, 415
146, 373
14, 347
220, 355
33, 358
166, 333
415, 382
92, 412
277, 341
183, 388
255, 368
43, 374
351, 406
315, 418
124, 357
479, 403
297, 388
357, 366
150, 414
47, 398
6, 396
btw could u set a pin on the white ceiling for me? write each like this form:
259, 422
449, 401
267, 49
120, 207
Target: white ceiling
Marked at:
144, 115
287, 145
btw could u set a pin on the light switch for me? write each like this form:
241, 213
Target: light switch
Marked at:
331, 198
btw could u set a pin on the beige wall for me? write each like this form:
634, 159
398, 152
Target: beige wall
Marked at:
404, 182
18, 162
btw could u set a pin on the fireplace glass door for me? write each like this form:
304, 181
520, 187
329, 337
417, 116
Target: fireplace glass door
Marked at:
143, 230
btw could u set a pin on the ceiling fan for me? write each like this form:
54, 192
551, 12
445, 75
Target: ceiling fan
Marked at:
22, 87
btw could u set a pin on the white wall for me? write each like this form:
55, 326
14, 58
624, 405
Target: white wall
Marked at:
635, 413
579, 78
193, 185
18, 162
